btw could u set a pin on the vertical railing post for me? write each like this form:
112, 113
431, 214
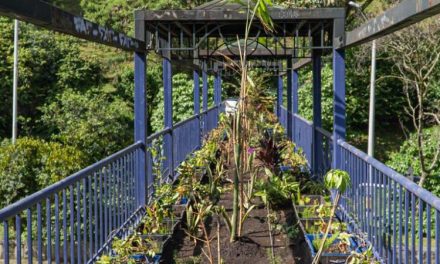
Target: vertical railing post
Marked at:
289, 98
317, 112
295, 107
168, 108
140, 115
196, 78
204, 96
339, 124
279, 92
217, 91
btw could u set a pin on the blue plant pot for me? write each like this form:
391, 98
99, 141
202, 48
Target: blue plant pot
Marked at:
155, 259
329, 257
183, 200
139, 257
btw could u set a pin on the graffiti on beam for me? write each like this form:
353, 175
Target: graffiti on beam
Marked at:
104, 34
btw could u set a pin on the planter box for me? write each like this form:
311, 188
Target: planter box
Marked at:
329, 257
312, 225
142, 258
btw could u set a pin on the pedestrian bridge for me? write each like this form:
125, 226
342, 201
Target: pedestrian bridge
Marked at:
75, 220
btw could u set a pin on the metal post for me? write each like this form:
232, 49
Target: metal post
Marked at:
339, 126
289, 98
140, 116
196, 78
219, 96
317, 111
372, 114
295, 106
15, 83
279, 93
204, 97
168, 115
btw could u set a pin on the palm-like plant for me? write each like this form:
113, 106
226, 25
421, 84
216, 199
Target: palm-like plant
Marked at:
240, 130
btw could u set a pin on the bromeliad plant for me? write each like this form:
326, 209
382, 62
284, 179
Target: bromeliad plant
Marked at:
338, 181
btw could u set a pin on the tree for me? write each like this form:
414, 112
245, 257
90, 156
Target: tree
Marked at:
48, 63
97, 123
32, 164
416, 55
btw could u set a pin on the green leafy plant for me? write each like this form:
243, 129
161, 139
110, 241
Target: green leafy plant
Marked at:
339, 181
276, 190
365, 257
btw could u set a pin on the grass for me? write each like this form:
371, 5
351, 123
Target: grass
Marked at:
388, 140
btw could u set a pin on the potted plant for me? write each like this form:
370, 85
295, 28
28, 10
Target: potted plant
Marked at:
336, 248
337, 181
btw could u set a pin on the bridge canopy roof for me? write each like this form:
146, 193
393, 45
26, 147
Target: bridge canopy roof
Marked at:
213, 31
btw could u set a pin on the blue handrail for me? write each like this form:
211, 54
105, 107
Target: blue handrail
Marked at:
17, 207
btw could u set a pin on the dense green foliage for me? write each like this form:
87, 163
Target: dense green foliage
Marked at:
32, 164
388, 92
48, 64
407, 157
92, 121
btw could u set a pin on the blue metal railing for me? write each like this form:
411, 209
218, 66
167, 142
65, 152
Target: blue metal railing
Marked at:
186, 136
397, 217
283, 117
73, 220
400, 219
210, 119
326, 149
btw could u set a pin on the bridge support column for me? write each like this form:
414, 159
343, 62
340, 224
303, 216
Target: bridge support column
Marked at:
196, 78
317, 111
339, 124
217, 90
205, 96
140, 124
168, 115
289, 98
140, 117
279, 93
295, 103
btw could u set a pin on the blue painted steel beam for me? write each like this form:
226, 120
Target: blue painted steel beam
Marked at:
140, 116
279, 94
339, 124
168, 114
317, 111
140, 124
289, 99
204, 95
43, 14
295, 102
196, 99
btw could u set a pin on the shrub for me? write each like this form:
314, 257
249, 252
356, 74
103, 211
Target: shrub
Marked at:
32, 164
408, 157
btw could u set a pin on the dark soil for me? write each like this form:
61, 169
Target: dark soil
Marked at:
254, 246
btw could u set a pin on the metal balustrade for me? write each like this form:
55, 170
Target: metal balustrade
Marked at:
397, 217
210, 119
326, 149
74, 219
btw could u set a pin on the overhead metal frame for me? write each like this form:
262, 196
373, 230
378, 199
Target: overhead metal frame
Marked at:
404, 14
213, 32
50, 17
